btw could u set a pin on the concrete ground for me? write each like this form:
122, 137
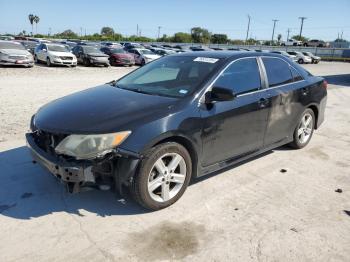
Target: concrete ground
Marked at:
281, 206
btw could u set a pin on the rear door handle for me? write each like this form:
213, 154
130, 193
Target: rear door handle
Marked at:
263, 102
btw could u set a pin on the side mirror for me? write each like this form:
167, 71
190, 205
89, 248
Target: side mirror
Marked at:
218, 94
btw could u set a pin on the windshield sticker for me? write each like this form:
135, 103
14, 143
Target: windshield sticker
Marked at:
183, 91
206, 60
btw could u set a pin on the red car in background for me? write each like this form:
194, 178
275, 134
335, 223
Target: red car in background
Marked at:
118, 56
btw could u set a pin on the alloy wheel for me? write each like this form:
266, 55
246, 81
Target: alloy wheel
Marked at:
305, 128
167, 177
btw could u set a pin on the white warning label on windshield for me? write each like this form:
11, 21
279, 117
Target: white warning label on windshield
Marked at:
206, 60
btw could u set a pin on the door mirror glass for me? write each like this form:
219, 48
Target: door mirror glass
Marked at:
218, 94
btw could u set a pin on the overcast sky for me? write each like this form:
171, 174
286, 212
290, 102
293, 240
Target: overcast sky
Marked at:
325, 18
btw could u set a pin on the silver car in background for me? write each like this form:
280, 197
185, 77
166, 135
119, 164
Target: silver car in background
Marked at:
301, 58
14, 53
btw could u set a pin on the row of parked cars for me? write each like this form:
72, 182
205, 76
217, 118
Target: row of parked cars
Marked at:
26, 53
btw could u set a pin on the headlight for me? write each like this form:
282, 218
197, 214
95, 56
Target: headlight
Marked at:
56, 57
90, 146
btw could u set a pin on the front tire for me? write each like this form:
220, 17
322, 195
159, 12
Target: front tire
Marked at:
300, 61
163, 176
48, 62
304, 130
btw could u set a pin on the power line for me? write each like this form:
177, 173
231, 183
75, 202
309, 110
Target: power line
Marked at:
246, 38
159, 27
273, 30
302, 18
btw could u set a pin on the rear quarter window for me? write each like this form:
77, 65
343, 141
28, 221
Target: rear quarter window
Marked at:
277, 70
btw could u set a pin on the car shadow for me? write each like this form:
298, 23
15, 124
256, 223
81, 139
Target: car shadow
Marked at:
29, 191
340, 80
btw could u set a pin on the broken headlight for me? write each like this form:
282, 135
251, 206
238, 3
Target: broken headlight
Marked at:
90, 146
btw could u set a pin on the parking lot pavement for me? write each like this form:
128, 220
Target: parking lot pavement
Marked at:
281, 206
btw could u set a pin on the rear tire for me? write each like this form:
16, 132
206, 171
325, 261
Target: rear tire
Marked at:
48, 62
304, 130
300, 61
143, 62
86, 62
36, 59
163, 176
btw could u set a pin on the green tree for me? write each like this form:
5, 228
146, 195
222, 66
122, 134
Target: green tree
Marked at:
107, 31
279, 37
252, 41
67, 34
200, 35
219, 39
300, 38
181, 37
31, 21
36, 21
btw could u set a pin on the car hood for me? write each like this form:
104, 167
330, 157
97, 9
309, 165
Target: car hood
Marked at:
103, 109
14, 52
60, 53
97, 54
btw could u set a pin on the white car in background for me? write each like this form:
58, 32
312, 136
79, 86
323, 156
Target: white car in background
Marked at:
54, 54
284, 53
13, 53
291, 42
143, 56
301, 58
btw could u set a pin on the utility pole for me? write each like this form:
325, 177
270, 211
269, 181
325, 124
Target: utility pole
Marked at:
137, 29
49, 31
341, 37
246, 38
81, 31
159, 27
273, 30
302, 18
288, 31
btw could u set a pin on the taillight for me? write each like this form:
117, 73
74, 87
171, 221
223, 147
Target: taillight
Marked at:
324, 84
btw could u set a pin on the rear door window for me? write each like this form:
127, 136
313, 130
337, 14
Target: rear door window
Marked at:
242, 76
278, 72
296, 75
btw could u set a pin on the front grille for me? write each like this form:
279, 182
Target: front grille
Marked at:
18, 57
48, 141
66, 58
126, 60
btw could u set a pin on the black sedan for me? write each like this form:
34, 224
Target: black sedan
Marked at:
179, 117
90, 55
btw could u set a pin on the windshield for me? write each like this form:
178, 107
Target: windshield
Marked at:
118, 51
10, 45
57, 48
146, 52
91, 49
175, 76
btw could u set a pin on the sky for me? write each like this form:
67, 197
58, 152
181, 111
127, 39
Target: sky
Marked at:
325, 19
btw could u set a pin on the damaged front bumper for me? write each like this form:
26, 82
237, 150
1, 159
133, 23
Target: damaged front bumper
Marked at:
113, 171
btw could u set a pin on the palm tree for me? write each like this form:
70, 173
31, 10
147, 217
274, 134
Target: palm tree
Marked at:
31, 20
36, 20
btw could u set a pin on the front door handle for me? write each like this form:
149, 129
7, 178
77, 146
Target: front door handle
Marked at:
304, 91
263, 102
